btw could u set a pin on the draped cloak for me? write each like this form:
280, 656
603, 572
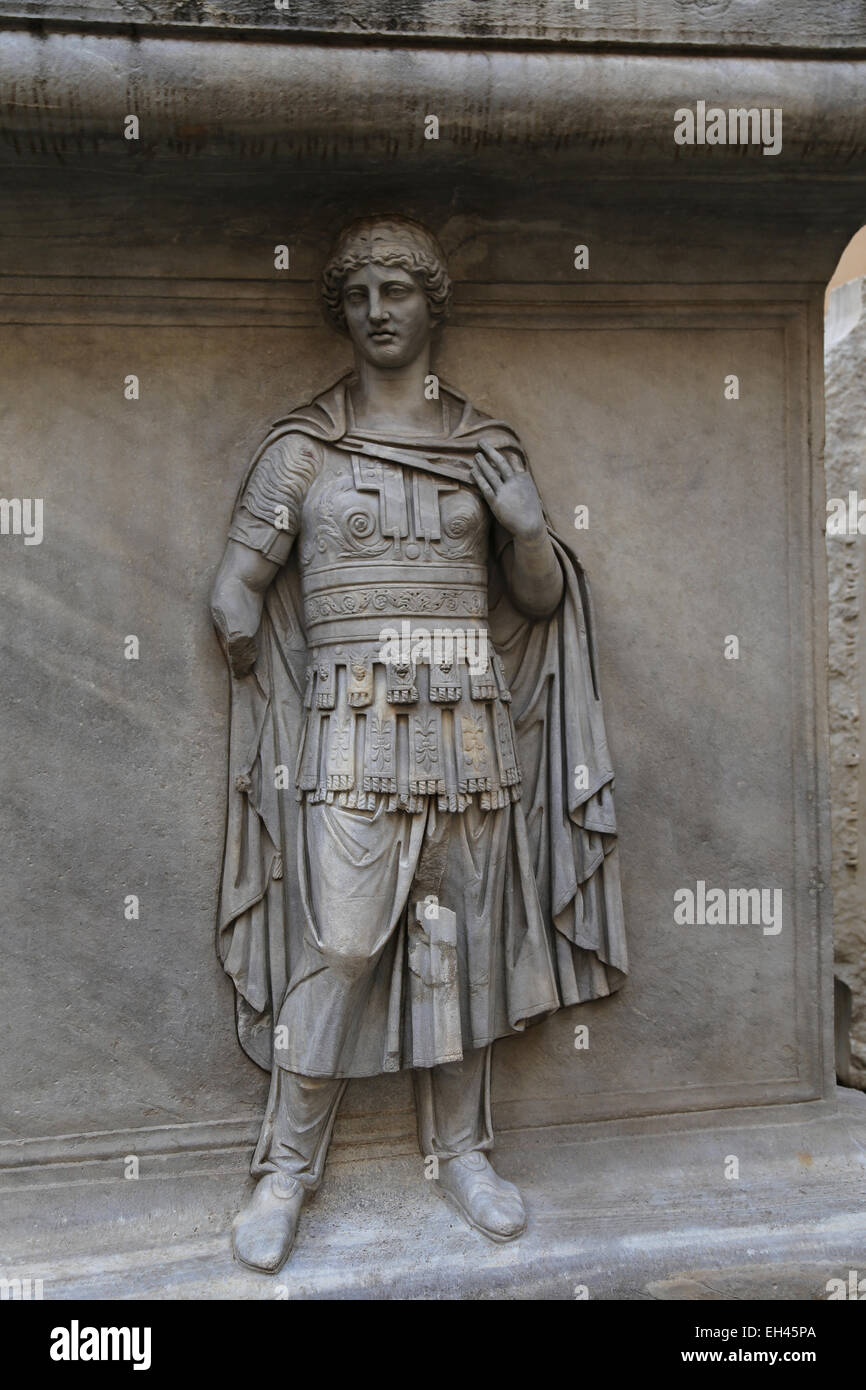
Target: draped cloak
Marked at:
550, 666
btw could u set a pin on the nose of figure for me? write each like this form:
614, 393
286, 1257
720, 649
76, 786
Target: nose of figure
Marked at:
377, 313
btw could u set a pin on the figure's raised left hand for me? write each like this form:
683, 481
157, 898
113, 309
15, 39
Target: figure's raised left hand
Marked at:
509, 492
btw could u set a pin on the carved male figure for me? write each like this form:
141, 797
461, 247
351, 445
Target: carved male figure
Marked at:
421, 849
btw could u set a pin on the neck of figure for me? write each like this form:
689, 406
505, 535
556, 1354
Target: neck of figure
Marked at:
389, 401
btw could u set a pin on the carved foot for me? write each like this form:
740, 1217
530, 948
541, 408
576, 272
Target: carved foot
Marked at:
264, 1232
489, 1203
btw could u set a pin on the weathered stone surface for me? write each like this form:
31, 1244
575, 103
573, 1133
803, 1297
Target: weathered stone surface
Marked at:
340, 108
804, 24
845, 365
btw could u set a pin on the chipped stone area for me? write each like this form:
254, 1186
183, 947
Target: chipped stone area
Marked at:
845, 453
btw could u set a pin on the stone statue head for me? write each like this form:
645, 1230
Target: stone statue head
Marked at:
393, 243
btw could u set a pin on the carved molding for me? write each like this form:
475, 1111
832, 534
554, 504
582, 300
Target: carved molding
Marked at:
193, 303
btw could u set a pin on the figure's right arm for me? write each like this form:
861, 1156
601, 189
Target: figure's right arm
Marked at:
266, 520
237, 600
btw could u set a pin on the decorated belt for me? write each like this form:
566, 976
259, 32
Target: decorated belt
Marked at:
337, 609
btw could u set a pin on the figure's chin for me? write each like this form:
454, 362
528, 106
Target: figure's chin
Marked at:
387, 354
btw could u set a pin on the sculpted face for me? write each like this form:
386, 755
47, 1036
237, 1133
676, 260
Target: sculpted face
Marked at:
387, 315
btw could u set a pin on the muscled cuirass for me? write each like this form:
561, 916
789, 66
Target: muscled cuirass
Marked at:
405, 695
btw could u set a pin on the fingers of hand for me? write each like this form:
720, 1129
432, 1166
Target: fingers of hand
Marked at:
485, 469
481, 482
497, 459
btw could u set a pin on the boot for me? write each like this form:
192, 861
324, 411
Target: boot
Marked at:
264, 1232
489, 1203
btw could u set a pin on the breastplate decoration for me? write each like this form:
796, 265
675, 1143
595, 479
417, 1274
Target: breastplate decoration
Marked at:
405, 694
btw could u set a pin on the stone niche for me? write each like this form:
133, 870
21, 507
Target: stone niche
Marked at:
155, 258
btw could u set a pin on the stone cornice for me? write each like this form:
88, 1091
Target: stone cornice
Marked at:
546, 113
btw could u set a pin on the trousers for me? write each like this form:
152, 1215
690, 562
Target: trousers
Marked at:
406, 960
452, 1104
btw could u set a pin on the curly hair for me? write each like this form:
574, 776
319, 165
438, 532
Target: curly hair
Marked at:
389, 240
